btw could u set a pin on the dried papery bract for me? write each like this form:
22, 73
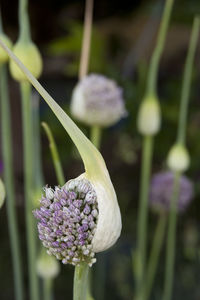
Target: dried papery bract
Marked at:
109, 219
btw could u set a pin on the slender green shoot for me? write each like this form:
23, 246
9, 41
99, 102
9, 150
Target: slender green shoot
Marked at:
148, 142
170, 255
9, 182
55, 156
29, 180
95, 137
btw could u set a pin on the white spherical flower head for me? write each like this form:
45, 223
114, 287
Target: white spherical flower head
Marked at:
97, 100
47, 266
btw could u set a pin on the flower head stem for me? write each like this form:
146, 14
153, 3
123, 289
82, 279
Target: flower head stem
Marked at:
55, 156
148, 142
28, 181
80, 282
96, 132
155, 59
9, 182
24, 21
171, 240
170, 255
85, 51
186, 85
47, 289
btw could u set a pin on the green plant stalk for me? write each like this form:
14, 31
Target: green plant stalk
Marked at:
170, 256
24, 21
171, 240
47, 289
155, 59
143, 204
9, 182
187, 76
55, 156
80, 282
95, 134
148, 142
28, 187
154, 255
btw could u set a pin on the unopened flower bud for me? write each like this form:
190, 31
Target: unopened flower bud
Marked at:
149, 116
47, 266
37, 194
3, 55
161, 192
97, 100
178, 158
2, 193
29, 54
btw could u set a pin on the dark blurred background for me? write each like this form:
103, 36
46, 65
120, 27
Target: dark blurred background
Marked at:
123, 38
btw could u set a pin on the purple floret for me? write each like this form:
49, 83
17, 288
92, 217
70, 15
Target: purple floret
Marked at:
64, 221
161, 191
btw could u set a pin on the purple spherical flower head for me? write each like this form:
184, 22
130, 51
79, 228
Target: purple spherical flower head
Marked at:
67, 221
161, 190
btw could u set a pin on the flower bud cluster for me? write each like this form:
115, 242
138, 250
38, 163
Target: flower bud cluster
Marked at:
67, 221
161, 192
97, 100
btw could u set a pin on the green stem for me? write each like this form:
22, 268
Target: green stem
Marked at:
185, 91
96, 136
154, 255
24, 21
143, 206
80, 281
155, 59
171, 240
55, 155
9, 182
47, 289
28, 181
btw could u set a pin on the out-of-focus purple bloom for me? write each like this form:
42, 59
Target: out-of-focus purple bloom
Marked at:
161, 191
97, 100
67, 221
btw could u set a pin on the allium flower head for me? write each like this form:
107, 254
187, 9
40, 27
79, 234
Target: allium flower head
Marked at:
67, 221
161, 191
97, 100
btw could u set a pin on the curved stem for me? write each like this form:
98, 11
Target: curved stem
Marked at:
85, 51
28, 180
143, 206
171, 240
155, 59
9, 182
80, 281
185, 91
55, 155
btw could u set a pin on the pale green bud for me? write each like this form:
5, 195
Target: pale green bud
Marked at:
149, 116
178, 158
47, 266
30, 56
3, 55
36, 196
2, 193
